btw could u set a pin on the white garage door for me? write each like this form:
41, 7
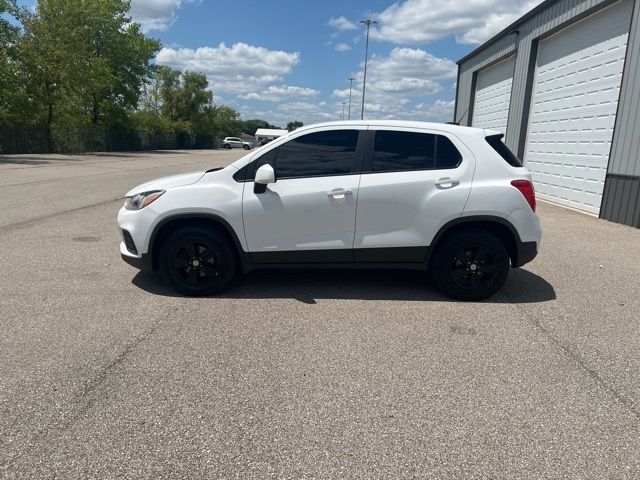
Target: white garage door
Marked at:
493, 94
573, 108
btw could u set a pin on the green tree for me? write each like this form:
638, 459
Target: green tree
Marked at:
224, 120
184, 96
180, 102
250, 126
11, 91
119, 55
80, 58
291, 126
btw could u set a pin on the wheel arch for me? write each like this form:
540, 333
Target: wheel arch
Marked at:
500, 227
211, 221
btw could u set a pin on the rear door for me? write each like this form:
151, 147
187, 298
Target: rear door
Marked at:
413, 182
308, 214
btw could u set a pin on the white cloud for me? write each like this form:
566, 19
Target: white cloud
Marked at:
471, 22
412, 63
279, 93
405, 72
342, 24
155, 14
438, 111
412, 86
342, 47
239, 69
299, 107
396, 82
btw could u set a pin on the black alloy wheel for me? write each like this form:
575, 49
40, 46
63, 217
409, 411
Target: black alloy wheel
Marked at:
197, 262
470, 264
473, 266
194, 263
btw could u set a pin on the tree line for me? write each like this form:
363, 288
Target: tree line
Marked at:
79, 75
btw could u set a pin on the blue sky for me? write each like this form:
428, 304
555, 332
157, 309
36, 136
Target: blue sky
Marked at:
286, 60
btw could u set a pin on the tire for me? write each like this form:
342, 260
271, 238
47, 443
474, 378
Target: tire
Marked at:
227, 146
246, 147
470, 265
196, 261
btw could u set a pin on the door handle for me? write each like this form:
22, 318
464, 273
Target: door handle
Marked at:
446, 182
339, 192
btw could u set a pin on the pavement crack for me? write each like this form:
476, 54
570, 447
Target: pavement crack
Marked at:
100, 378
594, 375
86, 397
31, 221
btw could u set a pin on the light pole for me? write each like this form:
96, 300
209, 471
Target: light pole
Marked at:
368, 22
351, 79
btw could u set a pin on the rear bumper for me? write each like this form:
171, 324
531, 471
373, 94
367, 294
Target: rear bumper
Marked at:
528, 234
527, 251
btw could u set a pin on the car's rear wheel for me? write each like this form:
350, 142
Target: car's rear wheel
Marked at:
227, 146
197, 262
471, 264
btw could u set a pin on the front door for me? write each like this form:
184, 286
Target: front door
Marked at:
308, 214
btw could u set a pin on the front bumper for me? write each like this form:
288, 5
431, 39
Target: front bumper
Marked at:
141, 262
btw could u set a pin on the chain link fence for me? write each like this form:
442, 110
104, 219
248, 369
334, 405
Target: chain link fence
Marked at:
30, 139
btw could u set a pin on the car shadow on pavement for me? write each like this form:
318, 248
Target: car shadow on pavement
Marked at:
307, 286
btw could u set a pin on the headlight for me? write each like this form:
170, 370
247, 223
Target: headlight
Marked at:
141, 200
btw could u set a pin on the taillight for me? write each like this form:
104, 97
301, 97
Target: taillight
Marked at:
527, 190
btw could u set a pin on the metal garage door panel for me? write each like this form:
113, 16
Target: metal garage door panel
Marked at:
493, 94
576, 90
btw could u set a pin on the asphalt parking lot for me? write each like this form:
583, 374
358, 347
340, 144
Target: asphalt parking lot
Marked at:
105, 373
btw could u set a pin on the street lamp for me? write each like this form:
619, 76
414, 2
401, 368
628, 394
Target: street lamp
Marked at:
368, 22
351, 79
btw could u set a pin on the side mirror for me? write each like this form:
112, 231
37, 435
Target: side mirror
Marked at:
264, 176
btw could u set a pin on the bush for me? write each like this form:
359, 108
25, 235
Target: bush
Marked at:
33, 139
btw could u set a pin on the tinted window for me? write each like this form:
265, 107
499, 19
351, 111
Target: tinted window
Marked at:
318, 154
396, 151
248, 172
498, 145
447, 155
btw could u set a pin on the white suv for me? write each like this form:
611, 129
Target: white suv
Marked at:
235, 142
446, 199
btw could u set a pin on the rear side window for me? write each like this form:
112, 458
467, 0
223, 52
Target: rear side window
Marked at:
398, 151
498, 145
318, 154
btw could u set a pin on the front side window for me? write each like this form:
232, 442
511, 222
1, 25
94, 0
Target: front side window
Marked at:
399, 151
248, 172
318, 154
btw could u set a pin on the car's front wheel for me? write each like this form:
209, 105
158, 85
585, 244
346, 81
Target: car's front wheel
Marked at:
246, 147
196, 261
470, 265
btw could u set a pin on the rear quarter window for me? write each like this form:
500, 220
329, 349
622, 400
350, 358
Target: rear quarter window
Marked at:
498, 145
